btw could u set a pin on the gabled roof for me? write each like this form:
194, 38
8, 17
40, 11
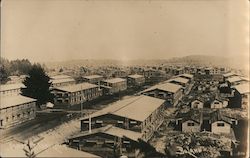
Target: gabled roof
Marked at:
235, 79
199, 99
111, 130
63, 80
60, 77
168, 87
93, 76
216, 99
243, 88
5, 87
179, 79
129, 108
194, 115
135, 76
115, 80
76, 87
9, 101
229, 74
190, 76
218, 116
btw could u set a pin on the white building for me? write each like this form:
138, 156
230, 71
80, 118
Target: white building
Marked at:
61, 80
185, 83
236, 80
139, 113
94, 79
76, 94
136, 80
221, 124
244, 91
16, 109
114, 85
197, 104
172, 93
11, 89
218, 104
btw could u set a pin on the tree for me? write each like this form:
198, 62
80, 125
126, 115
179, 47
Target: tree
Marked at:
3, 75
20, 67
28, 149
61, 70
37, 85
147, 150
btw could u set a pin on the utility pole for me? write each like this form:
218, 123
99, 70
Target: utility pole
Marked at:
90, 124
81, 102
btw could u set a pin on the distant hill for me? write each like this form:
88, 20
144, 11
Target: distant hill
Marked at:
235, 62
201, 60
206, 60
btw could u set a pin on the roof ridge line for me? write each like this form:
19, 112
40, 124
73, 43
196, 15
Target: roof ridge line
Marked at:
127, 104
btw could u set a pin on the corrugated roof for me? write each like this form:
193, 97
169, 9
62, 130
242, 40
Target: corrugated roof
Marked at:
169, 87
136, 108
135, 76
77, 87
111, 130
243, 88
9, 101
5, 87
114, 80
64, 151
92, 76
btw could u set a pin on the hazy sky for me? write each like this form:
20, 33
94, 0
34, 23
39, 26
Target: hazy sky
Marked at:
48, 30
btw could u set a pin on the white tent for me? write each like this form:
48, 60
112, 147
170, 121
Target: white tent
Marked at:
49, 105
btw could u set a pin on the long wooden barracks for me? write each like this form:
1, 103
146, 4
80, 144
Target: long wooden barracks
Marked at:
140, 114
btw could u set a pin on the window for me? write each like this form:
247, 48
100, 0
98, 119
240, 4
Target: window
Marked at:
190, 124
126, 142
109, 141
98, 121
220, 124
133, 122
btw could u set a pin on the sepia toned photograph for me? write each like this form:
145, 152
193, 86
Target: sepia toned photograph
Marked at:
124, 78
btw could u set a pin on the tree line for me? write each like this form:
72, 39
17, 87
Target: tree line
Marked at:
14, 67
37, 82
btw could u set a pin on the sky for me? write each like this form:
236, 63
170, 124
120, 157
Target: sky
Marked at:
57, 30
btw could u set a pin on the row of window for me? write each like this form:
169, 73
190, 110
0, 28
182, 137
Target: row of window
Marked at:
19, 107
90, 96
119, 122
18, 116
79, 98
85, 92
218, 124
16, 91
